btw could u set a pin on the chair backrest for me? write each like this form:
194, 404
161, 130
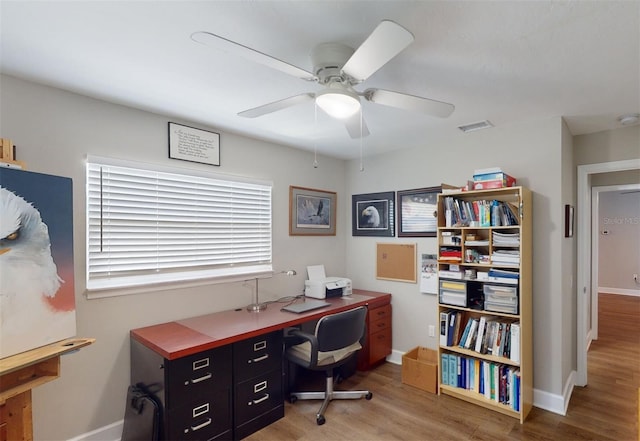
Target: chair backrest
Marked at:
342, 329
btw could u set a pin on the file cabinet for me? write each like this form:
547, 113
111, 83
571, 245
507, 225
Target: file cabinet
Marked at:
258, 384
194, 391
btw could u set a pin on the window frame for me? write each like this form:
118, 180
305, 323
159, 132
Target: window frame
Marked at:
100, 287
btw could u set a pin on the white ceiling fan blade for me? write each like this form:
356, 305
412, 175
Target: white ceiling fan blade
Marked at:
231, 47
277, 105
386, 41
353, 126
409, 102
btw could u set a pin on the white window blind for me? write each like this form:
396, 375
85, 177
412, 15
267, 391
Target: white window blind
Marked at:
147, 226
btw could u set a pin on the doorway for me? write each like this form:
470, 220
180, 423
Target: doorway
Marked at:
584, 287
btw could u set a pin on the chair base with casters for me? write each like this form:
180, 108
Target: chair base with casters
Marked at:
328, 395
336, 340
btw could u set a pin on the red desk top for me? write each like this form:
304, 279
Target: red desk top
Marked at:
192, 335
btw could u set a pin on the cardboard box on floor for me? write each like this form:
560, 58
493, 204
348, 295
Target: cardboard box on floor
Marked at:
420, 369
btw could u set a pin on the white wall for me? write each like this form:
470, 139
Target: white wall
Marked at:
531, 152
618, 239
53, 131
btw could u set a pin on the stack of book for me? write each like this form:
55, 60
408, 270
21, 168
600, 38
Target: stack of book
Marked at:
492, 178
495, 381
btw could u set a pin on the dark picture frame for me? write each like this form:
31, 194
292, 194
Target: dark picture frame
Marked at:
312, 212
373, 214
568, 220
418, 212
194, 145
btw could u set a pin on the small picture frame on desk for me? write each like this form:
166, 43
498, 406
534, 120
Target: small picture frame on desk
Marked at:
373, 214
194, 145
418, 212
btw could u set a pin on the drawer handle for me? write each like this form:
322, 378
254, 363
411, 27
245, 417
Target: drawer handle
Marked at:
381, 325
260, 400
200, 426
203, 378
256, 360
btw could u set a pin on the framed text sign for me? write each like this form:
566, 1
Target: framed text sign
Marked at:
195, 145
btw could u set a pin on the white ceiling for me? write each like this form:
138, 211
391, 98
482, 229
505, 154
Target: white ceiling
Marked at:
505, 61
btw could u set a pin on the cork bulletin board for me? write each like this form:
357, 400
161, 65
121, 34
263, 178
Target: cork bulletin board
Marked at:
396, 262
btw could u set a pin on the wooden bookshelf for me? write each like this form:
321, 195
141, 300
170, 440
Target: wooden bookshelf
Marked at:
474, 253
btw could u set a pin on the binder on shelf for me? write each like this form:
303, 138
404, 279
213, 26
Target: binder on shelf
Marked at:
444, 328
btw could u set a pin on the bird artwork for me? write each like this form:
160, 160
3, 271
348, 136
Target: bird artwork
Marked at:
29, 280
312, 211
370, 217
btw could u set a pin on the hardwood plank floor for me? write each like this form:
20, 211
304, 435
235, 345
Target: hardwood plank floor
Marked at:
605, 410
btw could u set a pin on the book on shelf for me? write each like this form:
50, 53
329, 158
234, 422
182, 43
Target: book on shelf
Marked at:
444, 328
482, 213
484, 171
514, 335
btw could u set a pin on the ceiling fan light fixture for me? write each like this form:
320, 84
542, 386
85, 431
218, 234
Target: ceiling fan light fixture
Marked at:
338, 103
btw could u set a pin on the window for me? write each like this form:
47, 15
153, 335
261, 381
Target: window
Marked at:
149, 226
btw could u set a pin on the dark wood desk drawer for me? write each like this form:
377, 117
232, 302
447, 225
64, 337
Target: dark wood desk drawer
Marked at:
381, 312
257, 355
198, 375
258, 395
201, 420
380, 345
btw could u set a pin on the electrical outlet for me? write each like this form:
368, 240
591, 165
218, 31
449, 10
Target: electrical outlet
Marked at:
635, 278
432, 331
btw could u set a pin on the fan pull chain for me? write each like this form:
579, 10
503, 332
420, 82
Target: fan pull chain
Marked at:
361, 163
315, 138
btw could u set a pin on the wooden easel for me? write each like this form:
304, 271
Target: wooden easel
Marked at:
8, 153
22, 372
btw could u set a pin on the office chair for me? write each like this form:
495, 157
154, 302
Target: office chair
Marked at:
337, 338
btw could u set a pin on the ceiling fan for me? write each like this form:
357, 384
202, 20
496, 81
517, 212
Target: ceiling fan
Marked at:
339, 68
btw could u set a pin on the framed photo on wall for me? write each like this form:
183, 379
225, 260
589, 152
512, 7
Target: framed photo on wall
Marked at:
418, 212
194, 145
373, 214
312, 212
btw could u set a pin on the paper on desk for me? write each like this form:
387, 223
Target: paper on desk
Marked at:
316, 272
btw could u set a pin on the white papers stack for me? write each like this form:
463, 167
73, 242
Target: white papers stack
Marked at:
506, 257
506, 239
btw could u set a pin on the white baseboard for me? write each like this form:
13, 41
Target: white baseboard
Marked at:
395, 357
624, 292
555, 403
112, 432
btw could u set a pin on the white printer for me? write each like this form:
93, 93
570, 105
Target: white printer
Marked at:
319, 286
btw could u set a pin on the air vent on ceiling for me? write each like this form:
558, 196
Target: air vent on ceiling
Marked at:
476, 126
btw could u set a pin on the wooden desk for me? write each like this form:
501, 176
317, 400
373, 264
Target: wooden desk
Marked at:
231, 344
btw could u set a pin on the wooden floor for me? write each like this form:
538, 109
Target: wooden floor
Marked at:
605, 410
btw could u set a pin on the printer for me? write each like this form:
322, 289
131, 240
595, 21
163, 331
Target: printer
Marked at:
319, 286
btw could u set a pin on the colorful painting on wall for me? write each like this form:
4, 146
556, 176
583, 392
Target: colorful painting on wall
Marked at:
37, 292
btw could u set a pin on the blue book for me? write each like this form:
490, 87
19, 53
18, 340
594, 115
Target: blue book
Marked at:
453, 370
444, 365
